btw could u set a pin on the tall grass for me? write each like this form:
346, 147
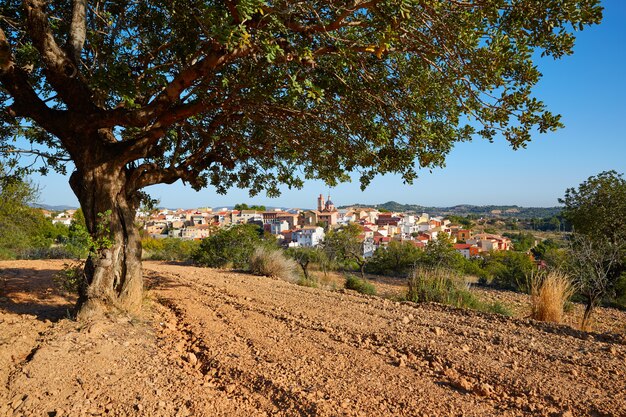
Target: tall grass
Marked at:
445, 286
549, 293
272, 263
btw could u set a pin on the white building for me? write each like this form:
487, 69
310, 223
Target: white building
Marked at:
308, 236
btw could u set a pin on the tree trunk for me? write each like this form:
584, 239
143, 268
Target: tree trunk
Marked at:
113, 276
586, 324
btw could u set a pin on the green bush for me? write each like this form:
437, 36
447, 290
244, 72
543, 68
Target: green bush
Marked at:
231, 246
508, 269
307, 282
360, 285
398, 258
447, 287
169, 249
496, 307
70, 278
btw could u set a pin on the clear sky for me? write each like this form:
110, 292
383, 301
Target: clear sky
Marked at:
587, 88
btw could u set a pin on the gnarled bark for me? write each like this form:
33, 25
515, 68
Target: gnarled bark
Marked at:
113, 276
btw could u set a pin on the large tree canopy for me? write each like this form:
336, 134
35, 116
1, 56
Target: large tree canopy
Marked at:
258, 93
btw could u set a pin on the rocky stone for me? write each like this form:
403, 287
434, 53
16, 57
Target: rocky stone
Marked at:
192, 358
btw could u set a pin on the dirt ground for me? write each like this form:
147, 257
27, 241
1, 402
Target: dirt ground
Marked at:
215, 343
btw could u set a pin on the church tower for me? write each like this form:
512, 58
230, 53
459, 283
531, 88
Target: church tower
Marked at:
329, 204
320, 203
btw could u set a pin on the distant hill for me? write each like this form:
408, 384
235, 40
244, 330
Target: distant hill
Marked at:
53, 208
467, 209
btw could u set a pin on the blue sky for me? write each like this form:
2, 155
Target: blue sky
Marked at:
587, 88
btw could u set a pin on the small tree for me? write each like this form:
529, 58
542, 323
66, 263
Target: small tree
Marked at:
345, 245
593, 264
440, 253
397, 258
597, 208
304, 257
597, 212
233, 245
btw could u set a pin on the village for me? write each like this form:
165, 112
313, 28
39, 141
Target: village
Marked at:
307, 228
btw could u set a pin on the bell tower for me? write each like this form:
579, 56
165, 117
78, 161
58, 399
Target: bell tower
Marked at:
320, 203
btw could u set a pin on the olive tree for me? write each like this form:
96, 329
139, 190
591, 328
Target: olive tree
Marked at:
254, 93
596, 209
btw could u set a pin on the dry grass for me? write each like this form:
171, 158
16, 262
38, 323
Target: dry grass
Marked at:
272, 263
548, 294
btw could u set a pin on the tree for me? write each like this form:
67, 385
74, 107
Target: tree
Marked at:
233, 245
21, 227
244, 206
440, 253
242, 93
597, 253
592, 263
304, 256
346, 245
597, 208
398, 258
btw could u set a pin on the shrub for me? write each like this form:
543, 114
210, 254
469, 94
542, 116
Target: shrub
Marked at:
360, 285
497, 307
396, 259
508, 269
447, 287
71, 277
232, 246
549, 293
438, 285
272, 263
169, 249
307, 282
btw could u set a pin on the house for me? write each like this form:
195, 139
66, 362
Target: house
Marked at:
308, 236
290, 218
196, 232
463, 234
276, 227
468, 251
309, 218
490, 242
65, 217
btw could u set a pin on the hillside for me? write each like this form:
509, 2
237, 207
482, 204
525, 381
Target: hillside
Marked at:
467, 209
214, 343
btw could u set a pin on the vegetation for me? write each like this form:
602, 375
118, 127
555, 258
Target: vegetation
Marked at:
507, 269
344, 247
272, 262
360, 285
70, 278
597, 250
445, 286
522, 242
135, 94
170, 249
597, 207
304, 257
244, 206
397, 258
231, 246
549, 293
592, 263
23, 230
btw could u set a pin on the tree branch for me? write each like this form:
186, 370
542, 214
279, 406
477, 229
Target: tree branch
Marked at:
78, 29
61, 71
26, 102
